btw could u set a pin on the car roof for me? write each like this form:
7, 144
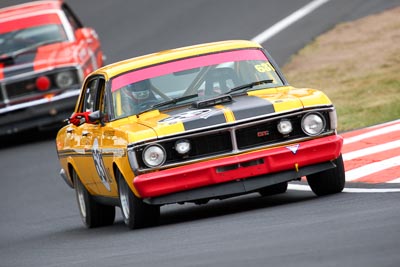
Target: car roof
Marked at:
16, 11
117, 68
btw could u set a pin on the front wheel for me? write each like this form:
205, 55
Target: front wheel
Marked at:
93, 214
135, 212
330, 181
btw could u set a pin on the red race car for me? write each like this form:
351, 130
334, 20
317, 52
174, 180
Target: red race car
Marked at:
45, 53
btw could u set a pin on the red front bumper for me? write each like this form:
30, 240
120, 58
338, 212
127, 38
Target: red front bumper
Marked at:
237, 167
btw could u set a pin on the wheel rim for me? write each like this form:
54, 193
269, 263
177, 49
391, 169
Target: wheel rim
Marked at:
81, 200
124, 199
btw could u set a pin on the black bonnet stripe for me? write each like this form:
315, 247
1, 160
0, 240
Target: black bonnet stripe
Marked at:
22, 64
245, 107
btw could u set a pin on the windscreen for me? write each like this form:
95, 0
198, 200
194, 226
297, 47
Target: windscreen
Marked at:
190, 79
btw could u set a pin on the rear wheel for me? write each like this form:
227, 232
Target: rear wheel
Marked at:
135, 212
274, 189
330, 181
93, 214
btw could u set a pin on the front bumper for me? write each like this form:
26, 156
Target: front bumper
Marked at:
37, 113
298, 160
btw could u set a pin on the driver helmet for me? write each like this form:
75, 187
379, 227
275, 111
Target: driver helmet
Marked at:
139, 90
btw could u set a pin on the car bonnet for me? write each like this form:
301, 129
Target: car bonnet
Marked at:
255, 105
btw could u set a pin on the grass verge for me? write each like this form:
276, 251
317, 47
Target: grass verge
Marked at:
357, 64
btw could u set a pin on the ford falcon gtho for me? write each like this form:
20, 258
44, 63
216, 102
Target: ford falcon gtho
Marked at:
45, 53
192, 124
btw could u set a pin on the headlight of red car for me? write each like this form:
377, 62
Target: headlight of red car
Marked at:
65, 79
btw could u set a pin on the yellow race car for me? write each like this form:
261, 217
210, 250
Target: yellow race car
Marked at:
203, 122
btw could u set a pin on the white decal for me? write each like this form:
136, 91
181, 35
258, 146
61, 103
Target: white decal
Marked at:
293, 148
99, 164
189, 115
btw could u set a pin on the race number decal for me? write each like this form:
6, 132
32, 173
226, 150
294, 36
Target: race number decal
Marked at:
264, 67
99, 164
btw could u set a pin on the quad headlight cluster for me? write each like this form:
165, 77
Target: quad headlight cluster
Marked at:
312, 124
154, 155
57, 79
170, 152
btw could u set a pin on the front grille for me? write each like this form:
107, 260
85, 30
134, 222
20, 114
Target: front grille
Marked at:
266, 133
233, 139
25, 89
21, 89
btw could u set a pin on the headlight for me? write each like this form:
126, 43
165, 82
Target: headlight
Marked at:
285, 127
154, 155
313, 124
65, 79
182, 146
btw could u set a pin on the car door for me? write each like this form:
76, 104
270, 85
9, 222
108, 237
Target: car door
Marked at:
85, 136
94, 137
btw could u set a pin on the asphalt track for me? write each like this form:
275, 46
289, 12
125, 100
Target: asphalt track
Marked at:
39, 220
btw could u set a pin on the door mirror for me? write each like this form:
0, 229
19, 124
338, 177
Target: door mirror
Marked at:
84, 34
96, 117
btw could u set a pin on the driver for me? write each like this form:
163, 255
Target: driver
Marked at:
136, 97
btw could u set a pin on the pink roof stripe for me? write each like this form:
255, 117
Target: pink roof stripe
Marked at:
29, 21
185, 64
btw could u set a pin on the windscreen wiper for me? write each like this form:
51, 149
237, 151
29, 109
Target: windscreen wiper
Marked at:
169, 102
248, 86
174, 100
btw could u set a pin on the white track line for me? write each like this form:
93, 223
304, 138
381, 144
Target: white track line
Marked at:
300, 187
395, 181
371, 150
372, 168
286, 22
388, 129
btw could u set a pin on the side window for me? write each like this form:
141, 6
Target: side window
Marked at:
73, 20
91, 96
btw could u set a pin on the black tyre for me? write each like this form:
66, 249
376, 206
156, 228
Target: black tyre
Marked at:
328, 182
93, 214
135, 212
274, 189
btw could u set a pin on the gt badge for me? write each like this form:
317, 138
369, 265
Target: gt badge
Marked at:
293, 148
262, 133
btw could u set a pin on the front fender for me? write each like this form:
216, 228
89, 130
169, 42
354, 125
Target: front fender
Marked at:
122, 165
